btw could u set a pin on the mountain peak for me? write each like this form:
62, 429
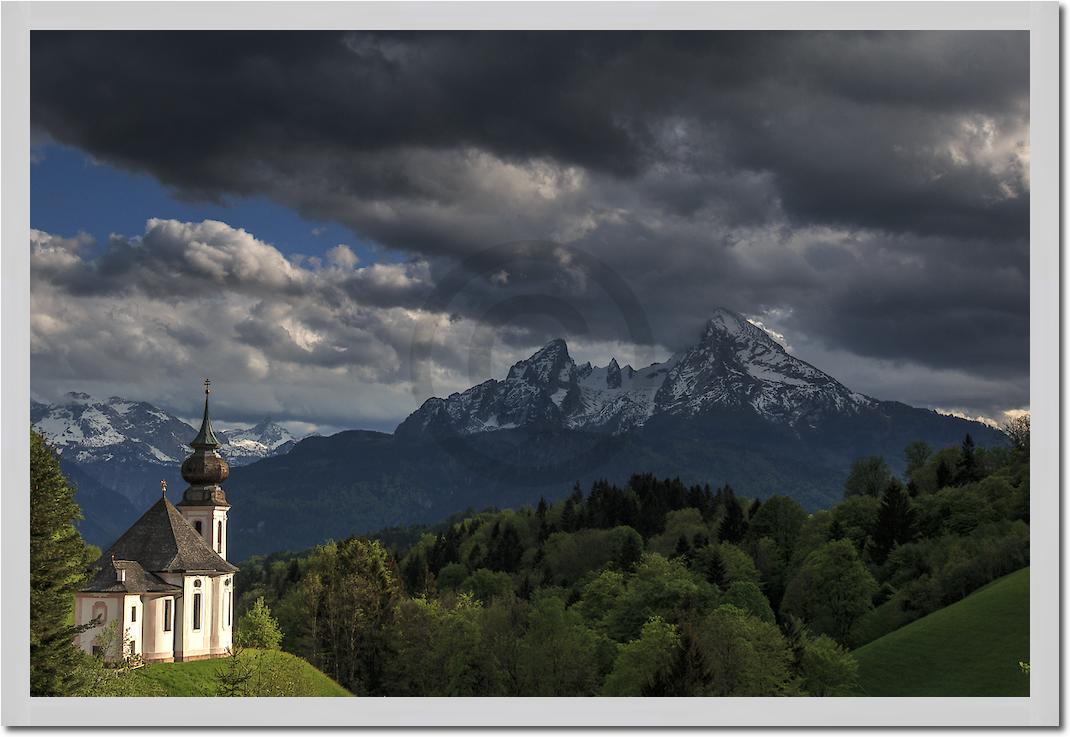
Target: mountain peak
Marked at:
726, 322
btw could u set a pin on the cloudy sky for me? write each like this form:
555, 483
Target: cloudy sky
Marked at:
294, 214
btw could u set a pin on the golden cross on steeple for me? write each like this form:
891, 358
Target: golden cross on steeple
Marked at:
207, 386
163, 488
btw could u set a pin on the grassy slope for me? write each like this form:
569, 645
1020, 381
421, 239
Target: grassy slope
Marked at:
970, 648
198, 677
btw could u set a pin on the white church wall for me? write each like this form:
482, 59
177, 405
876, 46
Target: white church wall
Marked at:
213, 525
159, 638
133, 621
196, 641
227, 628
86, 607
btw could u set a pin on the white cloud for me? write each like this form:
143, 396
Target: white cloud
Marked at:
343, 256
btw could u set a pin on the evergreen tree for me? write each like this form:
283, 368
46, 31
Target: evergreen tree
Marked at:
754, 507
58, 560
895, 521
630, 553
943, 475
568, 516
734, 525
715, 570
966, 471
683, 547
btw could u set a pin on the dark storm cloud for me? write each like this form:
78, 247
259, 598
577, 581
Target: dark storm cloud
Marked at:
867, 190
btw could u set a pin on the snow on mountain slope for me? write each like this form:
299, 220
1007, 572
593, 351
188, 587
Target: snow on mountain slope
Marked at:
264, 439
734, 365
86, 430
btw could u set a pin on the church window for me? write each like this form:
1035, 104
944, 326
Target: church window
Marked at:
166, 615
219, 537
197, 526
100, 610
196, 611
133, 614
230, 606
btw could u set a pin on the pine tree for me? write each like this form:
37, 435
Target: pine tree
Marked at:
568, 516
943, 474
683, 547
895, 521
630, 553
966, 470
715, 570
734, 525
58, 561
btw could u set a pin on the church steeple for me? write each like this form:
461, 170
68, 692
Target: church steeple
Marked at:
204, 469
205, 437
203, 503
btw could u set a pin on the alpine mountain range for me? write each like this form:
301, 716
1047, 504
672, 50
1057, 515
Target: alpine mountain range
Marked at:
733, 408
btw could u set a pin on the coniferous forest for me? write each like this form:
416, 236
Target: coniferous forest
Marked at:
654, 588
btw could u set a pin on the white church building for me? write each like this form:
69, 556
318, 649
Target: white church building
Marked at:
166, 580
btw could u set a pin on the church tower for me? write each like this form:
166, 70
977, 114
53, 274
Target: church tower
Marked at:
203, 503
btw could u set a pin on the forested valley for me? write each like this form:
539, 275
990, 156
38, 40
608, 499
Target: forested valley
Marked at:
654, 588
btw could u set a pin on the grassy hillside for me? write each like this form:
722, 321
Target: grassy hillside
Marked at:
971, 648
284, 675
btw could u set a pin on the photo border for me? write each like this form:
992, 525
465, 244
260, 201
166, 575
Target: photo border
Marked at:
1041, 19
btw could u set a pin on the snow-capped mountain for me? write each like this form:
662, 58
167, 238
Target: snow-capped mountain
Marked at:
125, 447
88, 430
262, 440
735, 365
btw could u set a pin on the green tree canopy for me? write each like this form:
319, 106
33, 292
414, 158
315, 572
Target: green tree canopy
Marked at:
832, 589
257, 628
559, 655
868, 477
748, 597
644, 663
58, 561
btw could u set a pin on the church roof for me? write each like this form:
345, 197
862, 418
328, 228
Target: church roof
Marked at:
163, 541
134, 579
205, 437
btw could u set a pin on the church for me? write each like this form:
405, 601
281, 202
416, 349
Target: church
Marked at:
166, 580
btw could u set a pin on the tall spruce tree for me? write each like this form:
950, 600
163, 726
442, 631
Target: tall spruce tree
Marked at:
734, 525
966, 471
895, 521
58, 561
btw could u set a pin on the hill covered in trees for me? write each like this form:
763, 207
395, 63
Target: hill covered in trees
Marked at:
653, 587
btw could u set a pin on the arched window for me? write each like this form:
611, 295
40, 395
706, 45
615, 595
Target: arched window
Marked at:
198, 528
100, 609
196, 611
219, 537
166, 615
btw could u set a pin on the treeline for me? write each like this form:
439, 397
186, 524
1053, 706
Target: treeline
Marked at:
655, 588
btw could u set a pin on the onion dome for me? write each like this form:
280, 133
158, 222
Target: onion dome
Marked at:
204, 469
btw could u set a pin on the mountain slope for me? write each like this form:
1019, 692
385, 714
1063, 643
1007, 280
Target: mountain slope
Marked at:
735, 408
971, 648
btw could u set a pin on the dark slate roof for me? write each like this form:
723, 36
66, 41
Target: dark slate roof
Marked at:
135, 581
164, 541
